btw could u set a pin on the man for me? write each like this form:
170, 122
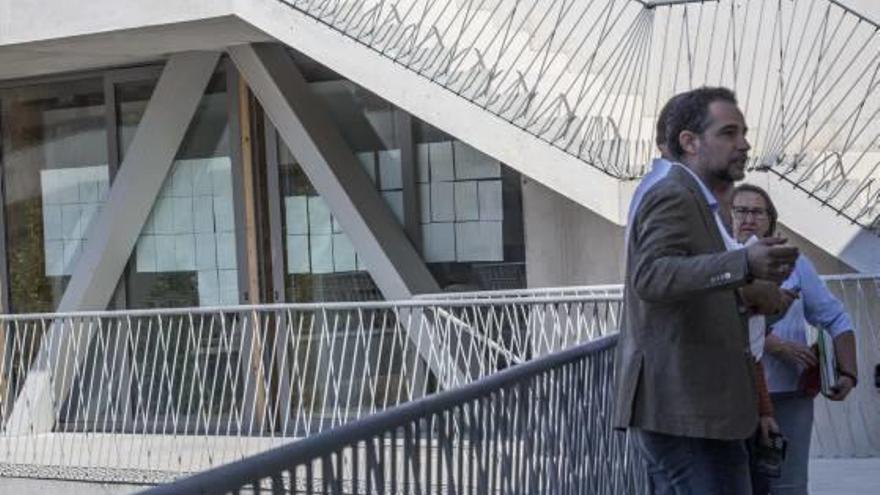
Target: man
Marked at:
686, 383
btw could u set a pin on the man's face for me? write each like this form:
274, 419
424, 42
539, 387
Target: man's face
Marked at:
722, 148
750, 216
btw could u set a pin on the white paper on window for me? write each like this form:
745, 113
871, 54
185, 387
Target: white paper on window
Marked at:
442, 202
226, 251
206, 251
72, 250
439, 242
224, 215
70, 221
296, 216
54, 258
442, 168
228, 282
52, 225
184, 252
491, 200
203, 214
321, 250
425, 202
182, 180
209, 288
466, 205
479, 241
163, 216
343, 254
298, 254
221, 176
319, 216
166, 258
182, 211
70, 199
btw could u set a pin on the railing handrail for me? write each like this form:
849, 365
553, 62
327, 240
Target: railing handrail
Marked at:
266, 464
451, 299
849, 276
534, 291
318, 306
583, 289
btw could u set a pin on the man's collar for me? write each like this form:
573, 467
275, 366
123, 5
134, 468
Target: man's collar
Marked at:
707, 193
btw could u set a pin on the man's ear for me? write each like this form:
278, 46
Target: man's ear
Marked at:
689, 142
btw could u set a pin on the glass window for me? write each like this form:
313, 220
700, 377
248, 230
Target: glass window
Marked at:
186, 253
471, 215
55, 172
320, 261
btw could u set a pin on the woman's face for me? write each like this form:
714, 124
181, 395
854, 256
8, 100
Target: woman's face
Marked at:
750, 216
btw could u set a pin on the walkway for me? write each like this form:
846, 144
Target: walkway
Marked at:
845, 476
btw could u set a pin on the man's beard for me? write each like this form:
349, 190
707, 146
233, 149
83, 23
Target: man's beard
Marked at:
726, 175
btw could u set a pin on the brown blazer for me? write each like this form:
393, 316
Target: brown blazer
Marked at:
683, 364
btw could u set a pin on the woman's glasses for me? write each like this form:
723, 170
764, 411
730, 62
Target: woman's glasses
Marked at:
742, 212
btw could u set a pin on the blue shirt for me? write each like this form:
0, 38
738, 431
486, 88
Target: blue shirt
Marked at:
659, 168
816, 306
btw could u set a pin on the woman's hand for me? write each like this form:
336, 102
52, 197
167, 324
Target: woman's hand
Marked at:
793, 353
842, 388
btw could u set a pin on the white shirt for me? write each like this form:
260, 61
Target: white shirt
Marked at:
757, 323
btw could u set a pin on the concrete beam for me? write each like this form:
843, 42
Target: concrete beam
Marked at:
305, 126
318, 146
113, 234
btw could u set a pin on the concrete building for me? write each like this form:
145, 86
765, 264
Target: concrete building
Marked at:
202, 153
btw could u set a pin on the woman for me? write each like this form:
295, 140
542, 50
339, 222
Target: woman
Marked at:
787, 355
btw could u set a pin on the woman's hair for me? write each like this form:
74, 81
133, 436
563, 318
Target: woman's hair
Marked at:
771, 208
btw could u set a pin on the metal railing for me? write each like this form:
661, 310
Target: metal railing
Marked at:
159, 393
850, 428
611, 291
147, 395
540, 427
590, 77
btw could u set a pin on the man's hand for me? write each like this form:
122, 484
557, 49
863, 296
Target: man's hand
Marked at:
793, 353
770, 259
842, 388
766, 298
766, 425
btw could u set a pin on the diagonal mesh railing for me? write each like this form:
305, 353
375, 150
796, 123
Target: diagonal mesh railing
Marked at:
541, 427
143, 396
151, 395
590, 77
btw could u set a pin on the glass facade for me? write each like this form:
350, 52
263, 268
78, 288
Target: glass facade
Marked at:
186, 253
55, 178
471, 215
320, 261
62, 142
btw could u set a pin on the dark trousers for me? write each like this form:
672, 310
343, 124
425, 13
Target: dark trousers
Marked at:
698, 466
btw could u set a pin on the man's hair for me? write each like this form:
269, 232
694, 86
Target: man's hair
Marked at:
662, 119
772, 214
689, 111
